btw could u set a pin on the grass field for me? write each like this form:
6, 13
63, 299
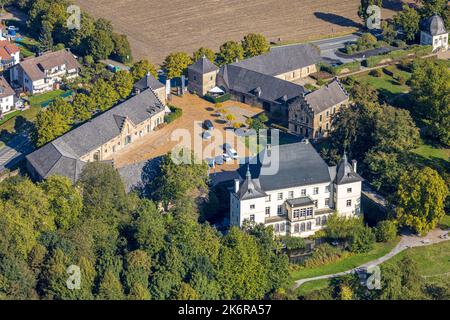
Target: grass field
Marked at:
37, 100
430, 152
379, 250
156, 28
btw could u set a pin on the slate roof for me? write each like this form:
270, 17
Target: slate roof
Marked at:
280, 60
434, 25
250, 188
35, 66
345, 173
300, 202
299, 164
5, 88
264, 86
327, 96
148, 81
203, 65
61, 156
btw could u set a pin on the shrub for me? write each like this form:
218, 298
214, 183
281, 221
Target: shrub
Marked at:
293, 243
219, 99
362, 240
321, 82
310, 87
325, 254
399, 44
401, 79
376, 73
386, 230
175, 114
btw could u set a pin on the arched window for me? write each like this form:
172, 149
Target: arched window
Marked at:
302, 227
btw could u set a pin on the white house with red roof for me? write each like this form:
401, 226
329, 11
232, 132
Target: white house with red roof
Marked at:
9, 54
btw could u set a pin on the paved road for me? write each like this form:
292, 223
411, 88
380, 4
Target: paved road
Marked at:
406, 242
328, 47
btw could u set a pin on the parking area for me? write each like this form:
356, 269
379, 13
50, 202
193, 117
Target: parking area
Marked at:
188, 130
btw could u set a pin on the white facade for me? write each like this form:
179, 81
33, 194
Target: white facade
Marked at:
438, 41
6, 104
300, 210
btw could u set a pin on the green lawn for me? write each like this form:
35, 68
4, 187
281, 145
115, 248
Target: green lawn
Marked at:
445, 223
29, 114
430, 152
379, 250
312, 286
38, 99
431, 260
386, 84
8, 116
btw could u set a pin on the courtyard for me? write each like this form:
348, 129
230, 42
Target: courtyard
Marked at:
188, 128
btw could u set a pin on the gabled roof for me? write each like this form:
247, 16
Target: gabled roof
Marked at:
434, 25
327, 96
264, 86
283, 59
148, 81
250, 188
299, 164
345, 173
203, 65
7, 49
5, 88
62, 155
34, 67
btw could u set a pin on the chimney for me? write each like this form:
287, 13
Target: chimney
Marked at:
236, 185
354, 164
147, 80
236, 60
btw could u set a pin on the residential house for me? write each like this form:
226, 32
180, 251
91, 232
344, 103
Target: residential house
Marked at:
6, 97
9, 54
433, 33
311, 115
45, 72
202, 76
298, 199
98, 139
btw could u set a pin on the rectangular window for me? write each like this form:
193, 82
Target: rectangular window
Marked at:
316, 190
291, 195
267, 211
280, 210
268, 198
280, 196
349, 190
296, 214
349, 203
252, 207
316, 203
320, 118
277, 227
303, 212
303, 192
318, 221
328, 189
327, 202
252, 218
309, 212
297, 228
309, 226
282, 227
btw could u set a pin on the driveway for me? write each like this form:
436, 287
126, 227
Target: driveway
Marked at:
328, 47
188, 126
406, 242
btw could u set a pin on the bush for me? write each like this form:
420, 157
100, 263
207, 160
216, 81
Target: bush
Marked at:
293, 243
386, 231
321, 82
175, 114
310, 87
362, 240
376, 73
399, 44
400, 79
325, 254
219, 99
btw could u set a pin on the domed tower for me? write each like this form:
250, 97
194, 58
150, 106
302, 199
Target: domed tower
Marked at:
347, 186
433, 32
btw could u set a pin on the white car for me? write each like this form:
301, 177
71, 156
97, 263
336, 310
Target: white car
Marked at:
226, 157
232, 153
207, 135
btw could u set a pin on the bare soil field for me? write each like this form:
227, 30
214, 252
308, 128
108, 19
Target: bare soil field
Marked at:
157, 27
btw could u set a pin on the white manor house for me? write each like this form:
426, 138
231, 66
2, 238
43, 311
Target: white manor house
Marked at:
298, 199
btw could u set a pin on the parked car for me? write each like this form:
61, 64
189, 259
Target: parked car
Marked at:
226, 157
211, 162
232, 153
226, 147
218, 160
207, 135
208, 125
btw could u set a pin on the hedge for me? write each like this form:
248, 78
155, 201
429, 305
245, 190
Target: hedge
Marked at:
351, 66
417, 51
219, 99
175, 114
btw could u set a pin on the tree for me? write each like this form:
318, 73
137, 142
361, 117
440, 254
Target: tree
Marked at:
175, 64
229, 52
110, 287
431, 7
420, 199
49, 125
141, 68
186, 292
386, 230
123, 83
122, 49
230, 118
362, 240
103, 95
65, 200
430, 87
100, 45
254, 45
409, 20
389, 32
137, 269
83, 107
208, 53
